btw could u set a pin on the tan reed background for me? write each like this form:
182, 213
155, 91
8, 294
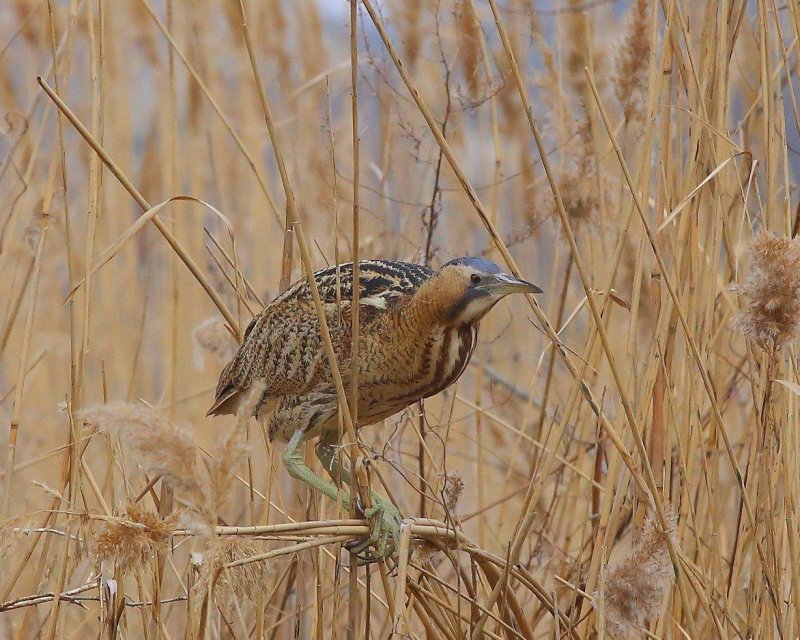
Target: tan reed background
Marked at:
619, 463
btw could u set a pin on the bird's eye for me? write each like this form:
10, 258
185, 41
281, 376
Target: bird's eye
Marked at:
475, 278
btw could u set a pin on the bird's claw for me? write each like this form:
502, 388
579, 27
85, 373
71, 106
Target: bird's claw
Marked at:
385, 522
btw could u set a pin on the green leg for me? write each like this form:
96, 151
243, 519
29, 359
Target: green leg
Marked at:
293, 459
326, 453
384, 515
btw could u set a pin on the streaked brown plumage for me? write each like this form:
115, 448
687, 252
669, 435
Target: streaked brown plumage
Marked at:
418, 329
413, 343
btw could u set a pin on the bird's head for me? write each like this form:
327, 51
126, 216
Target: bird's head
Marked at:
469, 287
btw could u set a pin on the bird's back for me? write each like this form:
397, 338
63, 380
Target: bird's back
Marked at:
282, 345
380, 280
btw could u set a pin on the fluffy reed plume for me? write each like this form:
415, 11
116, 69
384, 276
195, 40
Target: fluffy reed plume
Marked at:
634, 591
53, 493
579, 197
578, 185
236, 583
29, 31
633, 62
85, 534
582, 50
160, 447
771, 291
232, 446
210, 336
467, 32
410, 16
452, 490
135, 538
10, 534
577, 30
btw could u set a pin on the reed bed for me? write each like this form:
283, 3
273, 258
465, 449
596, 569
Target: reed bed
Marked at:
620, 459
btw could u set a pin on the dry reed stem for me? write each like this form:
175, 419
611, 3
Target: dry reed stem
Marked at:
355, 326
217, 109
699, 122
692, 345
173, 242
635, 429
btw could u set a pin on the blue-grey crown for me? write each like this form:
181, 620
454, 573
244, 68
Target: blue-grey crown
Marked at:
481, 264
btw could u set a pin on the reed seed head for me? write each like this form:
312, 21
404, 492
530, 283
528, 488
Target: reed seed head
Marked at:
635, 589
211, 336
452, 490
233, 583
133, 539
161, 447
10, 534
771, 292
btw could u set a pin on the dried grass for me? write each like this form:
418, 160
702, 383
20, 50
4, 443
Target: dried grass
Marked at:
10, 535
518, 482
133, 540
231, 584
162, 448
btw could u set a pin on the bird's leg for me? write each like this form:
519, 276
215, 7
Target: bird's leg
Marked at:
326, 453
293, 459
384, 516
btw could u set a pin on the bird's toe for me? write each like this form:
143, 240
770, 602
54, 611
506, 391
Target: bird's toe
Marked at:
384, 533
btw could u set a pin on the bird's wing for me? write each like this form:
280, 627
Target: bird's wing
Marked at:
227, 396
282, 345
378, 280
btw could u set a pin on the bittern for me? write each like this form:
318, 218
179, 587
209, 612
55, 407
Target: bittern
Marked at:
417, 331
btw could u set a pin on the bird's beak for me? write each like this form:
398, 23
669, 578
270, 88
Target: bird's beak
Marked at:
504, 283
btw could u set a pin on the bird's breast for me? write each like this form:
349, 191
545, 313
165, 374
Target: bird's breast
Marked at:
449, 356
410, 362
438, 360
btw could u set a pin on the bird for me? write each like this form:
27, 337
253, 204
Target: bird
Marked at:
417, 331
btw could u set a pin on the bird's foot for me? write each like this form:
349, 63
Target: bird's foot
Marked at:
384, 534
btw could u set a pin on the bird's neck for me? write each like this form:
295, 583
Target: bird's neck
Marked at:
433, 304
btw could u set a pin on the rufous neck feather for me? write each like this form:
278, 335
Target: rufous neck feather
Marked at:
438, 300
